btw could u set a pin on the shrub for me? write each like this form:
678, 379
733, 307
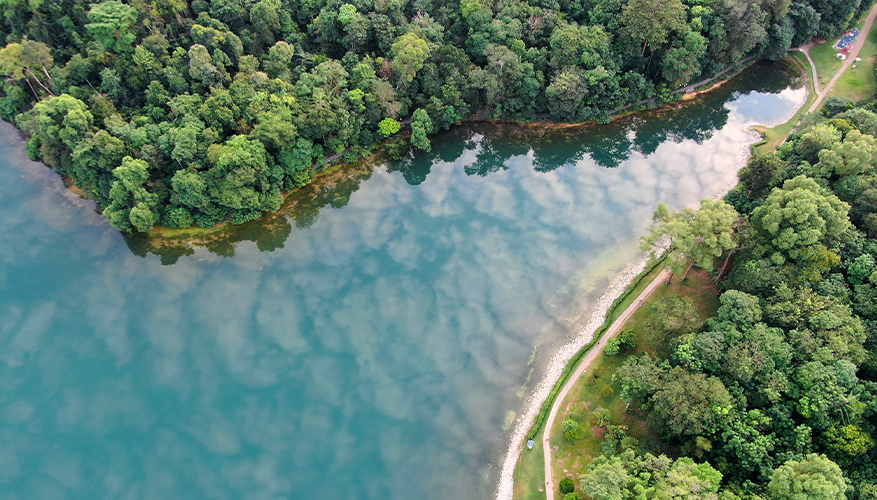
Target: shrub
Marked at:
567, 485
570, 430
572, 496
613, 347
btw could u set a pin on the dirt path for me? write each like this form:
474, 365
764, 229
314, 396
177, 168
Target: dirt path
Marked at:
851, 58
594, 352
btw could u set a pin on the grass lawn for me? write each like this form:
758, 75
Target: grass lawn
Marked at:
826, 61
859, 82
596, 390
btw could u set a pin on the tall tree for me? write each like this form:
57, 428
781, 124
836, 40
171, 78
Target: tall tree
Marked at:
690, 237
813, 478
650, 22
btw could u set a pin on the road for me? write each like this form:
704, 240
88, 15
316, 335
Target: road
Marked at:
588, 359
851, 58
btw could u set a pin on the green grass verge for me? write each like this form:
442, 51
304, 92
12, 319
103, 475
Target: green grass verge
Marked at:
596, 389
827, 63
615, 310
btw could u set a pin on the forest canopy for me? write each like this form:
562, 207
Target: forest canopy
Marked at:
196, 113
775, 396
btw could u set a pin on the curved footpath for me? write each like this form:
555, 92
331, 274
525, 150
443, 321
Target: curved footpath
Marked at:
851, 58
588, 359
805, 49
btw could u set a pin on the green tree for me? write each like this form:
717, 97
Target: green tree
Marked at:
857, 154
389, 126
761, 174
846, 442
813, 478
650, 22
421, 125
201, 66
266, 20
794, 220
111, 24
570, 430
628, 476
682, 60
30, 61
566, 94
567, 485
689, 405
280, 57
692, 236
673, 316
409, 53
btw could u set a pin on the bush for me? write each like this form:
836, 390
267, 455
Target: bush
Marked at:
572, 496
836, 104
570, 430
567, 485
625, 341
613, 347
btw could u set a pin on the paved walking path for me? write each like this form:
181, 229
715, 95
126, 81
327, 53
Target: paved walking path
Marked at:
851, 58
805, 49
590, 357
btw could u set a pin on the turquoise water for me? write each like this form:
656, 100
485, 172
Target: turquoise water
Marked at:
378, 351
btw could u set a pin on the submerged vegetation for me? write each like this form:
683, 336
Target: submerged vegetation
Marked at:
186, 113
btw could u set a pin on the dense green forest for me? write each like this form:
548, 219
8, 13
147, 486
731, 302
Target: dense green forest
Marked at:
196, 113
776, 396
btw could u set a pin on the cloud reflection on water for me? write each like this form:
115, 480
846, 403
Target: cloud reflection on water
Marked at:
380, 347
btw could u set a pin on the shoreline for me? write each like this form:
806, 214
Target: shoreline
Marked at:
163, 236
556, 366
583, 341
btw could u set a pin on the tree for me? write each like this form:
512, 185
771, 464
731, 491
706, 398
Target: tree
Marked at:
566, 93
813, 478
846, 442
689, 405
673, 316
629, 476
794, 220
682, 60
279, 58
29, 61
201, 67
421, 125
265, 19
389, 126
111, 23
857, 154
761, 174
132, 205
650, 21
567, 485
692, 236
570, 430
409, 53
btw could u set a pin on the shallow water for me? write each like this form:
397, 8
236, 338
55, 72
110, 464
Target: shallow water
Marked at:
380, 349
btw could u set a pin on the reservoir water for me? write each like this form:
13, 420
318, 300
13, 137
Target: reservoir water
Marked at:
375, 342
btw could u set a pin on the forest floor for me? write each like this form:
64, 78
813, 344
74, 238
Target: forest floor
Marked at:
596, 391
